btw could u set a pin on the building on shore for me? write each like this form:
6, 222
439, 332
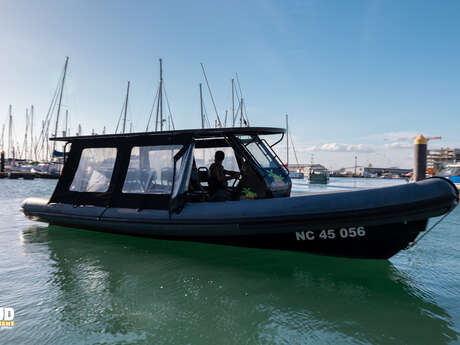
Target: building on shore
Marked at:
360, 171
437, 158
304, 168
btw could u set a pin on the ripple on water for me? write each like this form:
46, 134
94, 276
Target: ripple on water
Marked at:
79, 287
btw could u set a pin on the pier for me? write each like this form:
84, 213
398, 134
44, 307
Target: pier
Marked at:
26, 175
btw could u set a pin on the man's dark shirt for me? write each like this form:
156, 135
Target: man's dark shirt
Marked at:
214, 183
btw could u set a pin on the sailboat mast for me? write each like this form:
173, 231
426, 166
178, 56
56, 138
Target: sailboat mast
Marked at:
219, 123
66, 122
43, 140
10, 131
241, 101
287, 141
160, 99
60, 102
201, 105
126, 108
233, 102
241, 112
32, 148
3, 138
25, 147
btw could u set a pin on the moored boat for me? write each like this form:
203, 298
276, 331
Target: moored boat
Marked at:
296, 175
317, 175
452, 173
150, 184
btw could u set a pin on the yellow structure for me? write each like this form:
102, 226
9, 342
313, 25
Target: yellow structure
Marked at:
420, 140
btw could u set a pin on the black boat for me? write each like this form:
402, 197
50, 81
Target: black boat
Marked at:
155, 184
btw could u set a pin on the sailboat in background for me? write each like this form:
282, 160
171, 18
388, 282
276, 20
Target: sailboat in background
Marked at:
297, 174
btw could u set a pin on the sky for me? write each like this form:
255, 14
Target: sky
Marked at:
354, 76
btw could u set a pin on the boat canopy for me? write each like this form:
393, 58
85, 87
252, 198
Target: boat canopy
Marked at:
153, 170
196, 133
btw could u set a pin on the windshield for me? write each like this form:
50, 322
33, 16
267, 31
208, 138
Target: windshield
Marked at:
260, 152
275, 175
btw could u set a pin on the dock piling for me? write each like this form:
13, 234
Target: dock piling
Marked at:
2, 162
420, 150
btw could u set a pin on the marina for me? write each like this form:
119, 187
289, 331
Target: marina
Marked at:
65, 278
149, 184
267, 173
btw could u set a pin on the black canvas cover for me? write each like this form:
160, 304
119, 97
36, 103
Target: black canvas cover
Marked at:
113, 196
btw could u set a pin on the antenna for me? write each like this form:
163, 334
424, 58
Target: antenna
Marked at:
210, 93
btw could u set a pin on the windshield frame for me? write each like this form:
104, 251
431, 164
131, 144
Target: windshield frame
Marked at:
265, 149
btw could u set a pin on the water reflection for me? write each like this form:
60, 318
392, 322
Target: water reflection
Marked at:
123, 289
342, 184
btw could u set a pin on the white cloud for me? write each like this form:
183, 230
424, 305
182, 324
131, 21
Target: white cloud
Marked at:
336, 147
399, 146
390, 136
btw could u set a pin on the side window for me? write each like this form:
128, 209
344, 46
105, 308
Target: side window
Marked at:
94, 170
150, 169
204, 157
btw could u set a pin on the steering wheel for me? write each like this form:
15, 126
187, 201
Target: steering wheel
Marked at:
236, 180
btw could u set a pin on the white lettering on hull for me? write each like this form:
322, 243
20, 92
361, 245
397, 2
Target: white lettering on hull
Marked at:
330, 234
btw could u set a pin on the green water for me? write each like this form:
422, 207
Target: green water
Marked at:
72, 286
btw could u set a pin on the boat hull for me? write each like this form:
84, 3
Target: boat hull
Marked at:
318, 178
377, 242
361, 224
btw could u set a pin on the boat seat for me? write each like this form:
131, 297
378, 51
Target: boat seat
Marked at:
197, 196
203, 174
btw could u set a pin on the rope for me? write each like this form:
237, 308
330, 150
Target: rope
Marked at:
153, 107
205, 112
210, 94
293, 147
413, 243
169, 110
121, 115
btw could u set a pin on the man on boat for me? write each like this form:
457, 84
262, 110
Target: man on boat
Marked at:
218, 178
